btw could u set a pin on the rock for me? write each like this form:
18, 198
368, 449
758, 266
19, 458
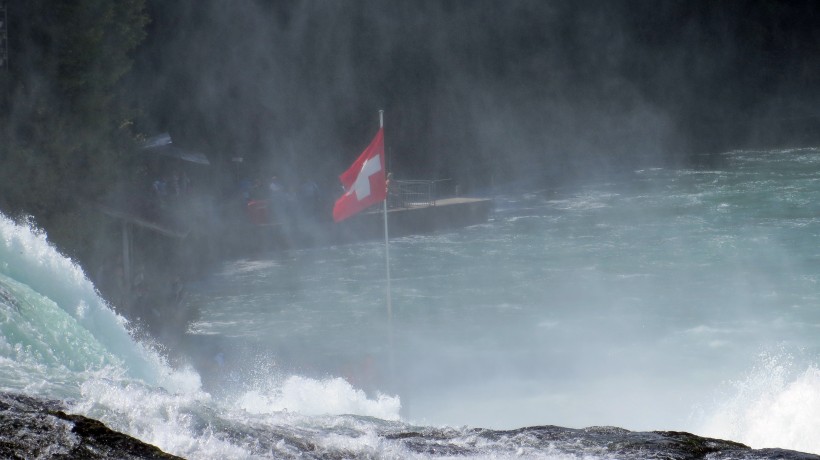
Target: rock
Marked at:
37, 428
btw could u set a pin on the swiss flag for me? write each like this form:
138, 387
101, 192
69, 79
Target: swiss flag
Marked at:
364, 182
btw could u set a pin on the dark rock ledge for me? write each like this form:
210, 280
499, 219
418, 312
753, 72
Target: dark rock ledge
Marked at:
38, 428
31, 427
606, 442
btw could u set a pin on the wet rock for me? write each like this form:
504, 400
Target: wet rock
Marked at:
593, 442
37, 428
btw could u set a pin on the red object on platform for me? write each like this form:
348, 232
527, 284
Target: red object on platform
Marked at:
364, 182
258, 212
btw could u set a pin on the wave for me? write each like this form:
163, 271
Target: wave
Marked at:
775, 405
58, 320
331, 396
60, 339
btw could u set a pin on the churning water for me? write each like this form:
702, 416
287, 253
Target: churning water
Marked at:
674, 300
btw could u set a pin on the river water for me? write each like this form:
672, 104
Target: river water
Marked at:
683, 300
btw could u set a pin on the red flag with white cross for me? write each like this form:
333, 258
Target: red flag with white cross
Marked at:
364, 182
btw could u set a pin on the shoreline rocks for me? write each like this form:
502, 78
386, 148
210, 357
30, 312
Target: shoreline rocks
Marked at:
32, 427
39, 428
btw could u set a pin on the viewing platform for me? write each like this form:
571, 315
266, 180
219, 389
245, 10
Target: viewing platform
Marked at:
413, 208
421, 218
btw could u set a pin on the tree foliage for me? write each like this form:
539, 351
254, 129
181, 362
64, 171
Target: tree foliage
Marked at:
65, 123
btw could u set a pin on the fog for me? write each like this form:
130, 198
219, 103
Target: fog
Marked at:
480, 93
649, 305
471, 90
648, 245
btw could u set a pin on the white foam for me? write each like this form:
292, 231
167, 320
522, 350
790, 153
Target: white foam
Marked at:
57, 283
332, 396
171, 421
774, 406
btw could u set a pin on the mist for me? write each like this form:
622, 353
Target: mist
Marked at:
483, 94
542, 91
648, 262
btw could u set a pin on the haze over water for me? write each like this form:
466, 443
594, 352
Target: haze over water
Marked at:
669, 300
673, 299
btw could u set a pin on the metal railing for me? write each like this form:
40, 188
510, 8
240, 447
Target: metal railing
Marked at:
413, 193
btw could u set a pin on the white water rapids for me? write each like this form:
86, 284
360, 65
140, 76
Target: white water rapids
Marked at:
677, 300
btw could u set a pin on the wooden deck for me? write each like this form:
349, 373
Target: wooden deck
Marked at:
242, 237
447, 213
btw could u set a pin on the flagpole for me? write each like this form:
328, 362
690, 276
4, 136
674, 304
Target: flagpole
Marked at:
387, 250
391, 361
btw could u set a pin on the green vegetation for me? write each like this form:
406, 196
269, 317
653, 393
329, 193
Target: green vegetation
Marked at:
65, 125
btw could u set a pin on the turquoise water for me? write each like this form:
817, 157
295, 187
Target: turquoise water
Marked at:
637, 303
671, 299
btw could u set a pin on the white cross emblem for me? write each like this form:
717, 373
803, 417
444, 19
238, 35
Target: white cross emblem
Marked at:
362, 185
